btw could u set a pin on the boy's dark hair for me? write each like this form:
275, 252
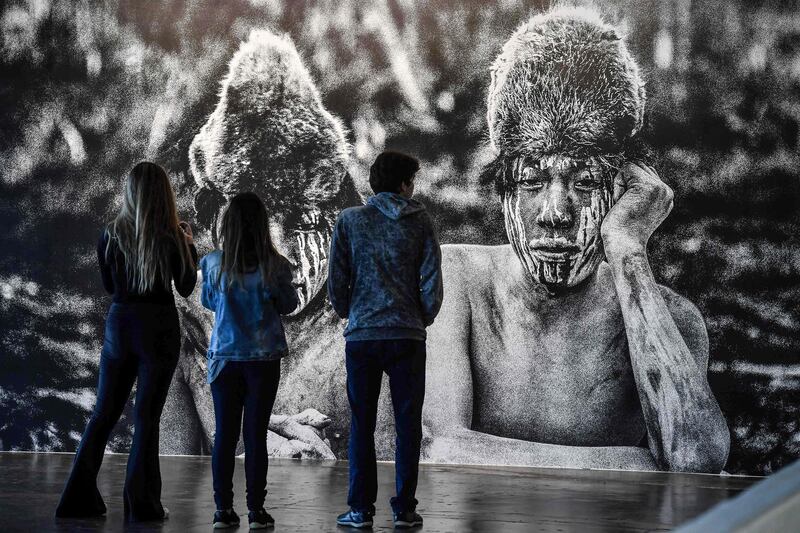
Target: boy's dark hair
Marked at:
390, 170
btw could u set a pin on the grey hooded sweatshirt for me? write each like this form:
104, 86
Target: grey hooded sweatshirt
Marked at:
385, 269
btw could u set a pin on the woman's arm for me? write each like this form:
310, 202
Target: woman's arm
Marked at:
105, 268
185, 278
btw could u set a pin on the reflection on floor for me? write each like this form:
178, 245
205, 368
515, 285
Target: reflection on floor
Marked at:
306, 496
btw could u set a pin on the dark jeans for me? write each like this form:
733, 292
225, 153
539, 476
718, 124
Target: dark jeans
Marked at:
248, 386
141, 344
403, 360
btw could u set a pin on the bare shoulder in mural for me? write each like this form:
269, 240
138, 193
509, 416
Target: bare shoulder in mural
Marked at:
270, 134
544, 353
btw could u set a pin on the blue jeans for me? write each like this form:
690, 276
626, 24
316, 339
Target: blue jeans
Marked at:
403, 360
249, 387
141, 344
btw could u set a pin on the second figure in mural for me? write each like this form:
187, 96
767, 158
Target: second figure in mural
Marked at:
561, 349
270, 134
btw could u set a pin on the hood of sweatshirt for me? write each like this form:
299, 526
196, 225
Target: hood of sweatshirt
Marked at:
394, 205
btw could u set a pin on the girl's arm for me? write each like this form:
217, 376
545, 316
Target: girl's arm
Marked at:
208, 294
282, 291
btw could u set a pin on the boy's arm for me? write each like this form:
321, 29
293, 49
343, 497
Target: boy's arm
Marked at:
339, 271
430, 276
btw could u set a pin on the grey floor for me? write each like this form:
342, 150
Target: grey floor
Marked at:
306, 496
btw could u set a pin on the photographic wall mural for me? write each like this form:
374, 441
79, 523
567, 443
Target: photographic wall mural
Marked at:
537, 358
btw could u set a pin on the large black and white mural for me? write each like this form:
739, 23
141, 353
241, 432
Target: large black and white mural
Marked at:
559, 343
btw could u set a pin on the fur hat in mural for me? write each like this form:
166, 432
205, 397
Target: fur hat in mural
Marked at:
564, 84
269, 133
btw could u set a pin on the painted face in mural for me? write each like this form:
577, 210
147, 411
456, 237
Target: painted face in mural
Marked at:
304, 238
553, 210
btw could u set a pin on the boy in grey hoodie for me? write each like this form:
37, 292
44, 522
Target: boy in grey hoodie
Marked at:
385, 277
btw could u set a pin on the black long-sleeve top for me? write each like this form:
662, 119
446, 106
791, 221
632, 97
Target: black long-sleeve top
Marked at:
117, 282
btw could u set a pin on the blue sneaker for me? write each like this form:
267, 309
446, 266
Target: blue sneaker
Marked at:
223, 519
407, 519
260, 519
354, 519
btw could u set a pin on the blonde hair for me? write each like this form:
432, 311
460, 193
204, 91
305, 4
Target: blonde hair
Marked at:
146, 223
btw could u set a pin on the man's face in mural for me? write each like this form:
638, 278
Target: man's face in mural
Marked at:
553, 210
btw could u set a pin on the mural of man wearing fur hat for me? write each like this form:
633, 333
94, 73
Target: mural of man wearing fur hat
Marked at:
556, 350
560, 349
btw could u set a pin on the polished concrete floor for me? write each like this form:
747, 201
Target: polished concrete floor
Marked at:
306, 496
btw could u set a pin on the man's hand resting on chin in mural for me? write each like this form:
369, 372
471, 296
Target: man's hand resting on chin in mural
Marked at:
685, 427
560, 349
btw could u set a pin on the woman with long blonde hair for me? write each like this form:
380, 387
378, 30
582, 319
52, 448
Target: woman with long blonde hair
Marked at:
141, 253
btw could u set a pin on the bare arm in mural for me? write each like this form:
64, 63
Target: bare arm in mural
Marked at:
685, 427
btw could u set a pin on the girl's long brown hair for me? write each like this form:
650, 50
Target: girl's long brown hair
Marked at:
246, 242
144, 226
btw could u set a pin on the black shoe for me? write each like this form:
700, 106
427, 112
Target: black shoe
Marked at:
70, 507
407, 519
354, 519
223, 519
260, 519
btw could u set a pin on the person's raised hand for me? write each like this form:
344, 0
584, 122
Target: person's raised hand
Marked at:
186, 228
642, 202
